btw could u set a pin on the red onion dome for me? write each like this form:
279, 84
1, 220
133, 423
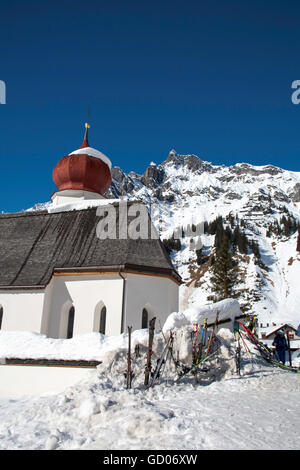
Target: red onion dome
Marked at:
85, 169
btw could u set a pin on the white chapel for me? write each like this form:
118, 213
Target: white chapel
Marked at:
59, 277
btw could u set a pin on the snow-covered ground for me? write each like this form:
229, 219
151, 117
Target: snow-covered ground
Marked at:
220, 410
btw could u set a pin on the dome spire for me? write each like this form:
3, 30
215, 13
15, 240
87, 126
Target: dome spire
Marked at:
85, 169
85, 142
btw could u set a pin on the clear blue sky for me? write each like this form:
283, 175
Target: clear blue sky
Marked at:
211, 78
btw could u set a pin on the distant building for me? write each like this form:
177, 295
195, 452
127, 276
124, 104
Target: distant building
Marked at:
268, 334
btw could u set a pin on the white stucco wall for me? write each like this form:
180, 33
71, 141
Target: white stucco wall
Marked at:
159, 295
18, 380
86, 293
22, 310
47, 311
72, 196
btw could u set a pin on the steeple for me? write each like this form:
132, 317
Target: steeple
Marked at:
83, 174
85, 142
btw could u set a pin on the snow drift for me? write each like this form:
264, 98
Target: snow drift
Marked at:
228, 309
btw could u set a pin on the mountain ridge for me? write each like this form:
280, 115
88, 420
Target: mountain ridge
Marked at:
185, 190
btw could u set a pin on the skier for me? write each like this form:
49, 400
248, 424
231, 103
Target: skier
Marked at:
280, 345
252, 324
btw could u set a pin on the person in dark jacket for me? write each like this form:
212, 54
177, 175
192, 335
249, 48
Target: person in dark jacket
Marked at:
280, 344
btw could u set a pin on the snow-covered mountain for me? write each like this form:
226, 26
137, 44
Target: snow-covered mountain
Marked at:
185, 191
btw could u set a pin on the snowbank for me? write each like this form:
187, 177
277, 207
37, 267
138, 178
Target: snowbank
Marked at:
228, 309
88, 347
95, 346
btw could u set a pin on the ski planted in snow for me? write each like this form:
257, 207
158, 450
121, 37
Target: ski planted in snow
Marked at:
129, 374
149, 352
289, 347
195, 338
236, 331
238, 356
202, 341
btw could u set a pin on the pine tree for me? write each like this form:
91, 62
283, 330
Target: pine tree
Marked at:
286, 225
298, 239
199, 256
231, 219
255, 249
240, 241
214, 225
293, 225
225, 275
276, 228
220, 234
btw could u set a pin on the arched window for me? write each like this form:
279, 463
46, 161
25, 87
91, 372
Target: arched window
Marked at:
145, 318
102, 324
1, 316
71, 322
99, 324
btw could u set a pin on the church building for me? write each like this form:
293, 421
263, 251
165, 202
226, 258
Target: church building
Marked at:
61, 277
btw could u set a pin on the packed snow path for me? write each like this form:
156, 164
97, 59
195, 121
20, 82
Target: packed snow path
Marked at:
259, 410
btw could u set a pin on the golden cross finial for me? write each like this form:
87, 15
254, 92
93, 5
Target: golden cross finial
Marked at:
87, 126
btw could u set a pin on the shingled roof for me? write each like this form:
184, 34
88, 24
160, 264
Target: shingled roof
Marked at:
33, 245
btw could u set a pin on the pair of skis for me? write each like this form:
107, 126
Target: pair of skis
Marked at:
129, 373
162, 360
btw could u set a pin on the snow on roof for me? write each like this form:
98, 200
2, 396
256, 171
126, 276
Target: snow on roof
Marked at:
93, 153
82, 204
272, 329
